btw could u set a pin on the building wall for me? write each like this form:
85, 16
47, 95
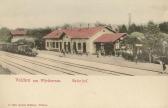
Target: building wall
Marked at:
80, 41
90, 46
49, 44
16, 38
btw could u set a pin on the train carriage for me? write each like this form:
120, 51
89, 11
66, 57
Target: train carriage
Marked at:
18, 48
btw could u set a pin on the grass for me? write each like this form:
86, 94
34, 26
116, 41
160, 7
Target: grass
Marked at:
4, 70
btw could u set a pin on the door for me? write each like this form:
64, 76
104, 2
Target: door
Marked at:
69, 47
84, 47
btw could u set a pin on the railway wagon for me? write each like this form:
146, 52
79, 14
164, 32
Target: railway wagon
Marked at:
2, 46
11, 48
5, 46
18, 48
26, 50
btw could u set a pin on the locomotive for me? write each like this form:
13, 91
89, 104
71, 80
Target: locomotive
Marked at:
23, 49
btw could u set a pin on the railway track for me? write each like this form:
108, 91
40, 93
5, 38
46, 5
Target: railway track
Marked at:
88, 67
69, 71
18, 66
117, 65
55, 68
105, 71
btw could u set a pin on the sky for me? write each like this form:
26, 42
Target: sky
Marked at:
43, 13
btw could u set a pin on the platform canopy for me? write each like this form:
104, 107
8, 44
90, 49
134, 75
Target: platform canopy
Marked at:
108, 38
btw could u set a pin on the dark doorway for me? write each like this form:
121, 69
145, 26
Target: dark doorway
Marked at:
108, 48
60, 46
74, 48
98, 46
84, 47
65, 47
69, 47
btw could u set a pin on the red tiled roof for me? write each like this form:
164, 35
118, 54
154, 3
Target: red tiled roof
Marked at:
19, 32
55, 34
74, 33
105, 38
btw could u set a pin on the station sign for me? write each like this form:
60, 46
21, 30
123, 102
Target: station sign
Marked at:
123, 47
138, 45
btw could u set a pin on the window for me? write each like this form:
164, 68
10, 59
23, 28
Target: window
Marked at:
47, 44
53, 44
56, 44
60, 45
79, 46
74, 45
84, 47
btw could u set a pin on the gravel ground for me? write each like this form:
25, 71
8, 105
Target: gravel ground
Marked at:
50, 64
4, 70
111, 60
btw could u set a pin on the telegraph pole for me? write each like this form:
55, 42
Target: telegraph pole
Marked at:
129, 19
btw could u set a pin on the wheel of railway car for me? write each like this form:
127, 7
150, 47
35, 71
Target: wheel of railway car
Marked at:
29, 54
34, 54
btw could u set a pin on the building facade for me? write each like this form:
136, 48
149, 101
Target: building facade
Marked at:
84, 40
20, 34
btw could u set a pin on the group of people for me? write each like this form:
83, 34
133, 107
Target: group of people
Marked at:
63, 52
100, 52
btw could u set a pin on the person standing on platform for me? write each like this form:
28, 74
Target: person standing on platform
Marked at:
164, 67
136, 59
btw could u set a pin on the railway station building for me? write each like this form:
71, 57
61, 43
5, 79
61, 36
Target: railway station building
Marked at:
84, 40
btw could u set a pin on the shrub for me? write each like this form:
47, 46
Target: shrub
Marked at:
128, 56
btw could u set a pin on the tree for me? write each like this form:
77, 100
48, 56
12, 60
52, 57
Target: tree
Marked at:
164, 27
139, 36
66, 26
140, 28
38, 34
123, 29
99, 24
132, 28
136, 28
164, 44
5, 35
153, 39
133, 39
